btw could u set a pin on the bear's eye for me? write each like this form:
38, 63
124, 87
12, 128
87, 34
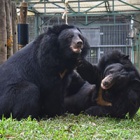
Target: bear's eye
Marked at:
109, 72
70, 36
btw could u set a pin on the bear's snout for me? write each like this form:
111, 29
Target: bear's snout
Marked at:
77, 46
79, 43
107, 82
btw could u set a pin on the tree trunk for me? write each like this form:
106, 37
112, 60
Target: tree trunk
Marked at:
3, 33
9, 28
23, 12
14, 27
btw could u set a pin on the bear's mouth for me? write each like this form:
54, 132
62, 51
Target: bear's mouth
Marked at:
77, 48
77, 44
107, 82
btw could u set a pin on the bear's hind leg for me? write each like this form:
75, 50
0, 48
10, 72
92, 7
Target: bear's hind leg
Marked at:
26, 101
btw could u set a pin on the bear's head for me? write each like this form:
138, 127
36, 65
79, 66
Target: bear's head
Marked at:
113, 76
61, 46
72, 43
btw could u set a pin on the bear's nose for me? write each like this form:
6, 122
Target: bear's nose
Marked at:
106, 83
79, 43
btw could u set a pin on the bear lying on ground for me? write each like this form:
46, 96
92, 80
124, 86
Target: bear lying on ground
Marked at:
120, 83
33, 81
79, 95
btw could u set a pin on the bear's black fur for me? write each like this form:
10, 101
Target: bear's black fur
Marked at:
33, 81
120, 81
79, 95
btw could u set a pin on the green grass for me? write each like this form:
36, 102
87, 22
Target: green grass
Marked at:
71, 127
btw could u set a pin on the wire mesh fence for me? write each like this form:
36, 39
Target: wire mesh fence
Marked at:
105, 38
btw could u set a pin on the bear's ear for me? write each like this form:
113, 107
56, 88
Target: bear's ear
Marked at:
78, 29
57, 29
126, 56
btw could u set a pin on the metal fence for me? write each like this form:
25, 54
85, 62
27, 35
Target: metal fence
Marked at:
105, 38
96, 53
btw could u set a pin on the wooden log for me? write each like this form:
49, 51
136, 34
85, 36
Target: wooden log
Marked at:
23, 12
14, 27
9, 28
3, 33
23, 17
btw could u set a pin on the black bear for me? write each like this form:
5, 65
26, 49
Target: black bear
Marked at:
120, 83
33, 81
79, 95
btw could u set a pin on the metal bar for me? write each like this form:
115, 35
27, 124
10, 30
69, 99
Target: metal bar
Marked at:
78, 6
129, 5
113, 10
108, 46
71, 1
93, 7
49, 19
36, 25
107, 6
44, 7
56, 5
71, 9
95, 14
86, 22
32, 9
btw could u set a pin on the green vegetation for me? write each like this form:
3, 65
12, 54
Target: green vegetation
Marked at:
71, 127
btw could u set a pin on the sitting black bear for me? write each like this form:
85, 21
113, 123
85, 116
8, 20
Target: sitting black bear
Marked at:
33, 81
120, 83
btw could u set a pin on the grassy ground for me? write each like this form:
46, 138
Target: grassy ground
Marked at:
71, 128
